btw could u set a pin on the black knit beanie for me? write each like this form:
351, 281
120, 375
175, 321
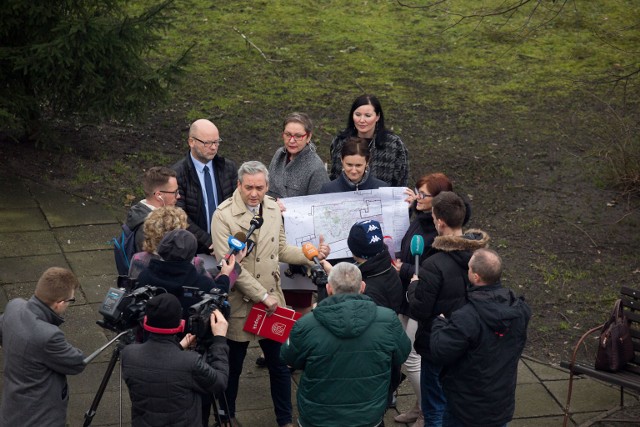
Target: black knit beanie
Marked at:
163, 312
365, 239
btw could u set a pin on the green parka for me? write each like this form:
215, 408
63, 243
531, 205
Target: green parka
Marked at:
346, 348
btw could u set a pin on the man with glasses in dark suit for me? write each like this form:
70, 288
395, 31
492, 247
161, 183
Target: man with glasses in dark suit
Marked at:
205, 180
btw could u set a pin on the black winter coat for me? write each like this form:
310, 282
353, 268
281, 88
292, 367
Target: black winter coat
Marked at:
479, 348
421, 225
191, 199
443, 282
342, 184
173, 275
165, 382
383, 285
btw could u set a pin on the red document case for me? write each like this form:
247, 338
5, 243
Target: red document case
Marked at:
276, 327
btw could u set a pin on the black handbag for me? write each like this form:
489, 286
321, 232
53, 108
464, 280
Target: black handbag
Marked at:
615, 347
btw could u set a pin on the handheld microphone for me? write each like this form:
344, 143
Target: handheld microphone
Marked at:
256, 222
311, 253
417, 248
236, 244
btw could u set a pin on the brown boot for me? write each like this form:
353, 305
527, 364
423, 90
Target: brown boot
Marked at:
408, 417
419, 422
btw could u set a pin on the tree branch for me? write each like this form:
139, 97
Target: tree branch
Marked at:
256, 47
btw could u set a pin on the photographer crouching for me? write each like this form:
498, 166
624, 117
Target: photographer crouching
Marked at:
165, 382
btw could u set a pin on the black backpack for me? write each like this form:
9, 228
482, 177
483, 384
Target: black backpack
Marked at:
124, 246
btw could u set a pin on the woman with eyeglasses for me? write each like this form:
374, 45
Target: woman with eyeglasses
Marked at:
427, 187
389, 156
355, 173
296, 169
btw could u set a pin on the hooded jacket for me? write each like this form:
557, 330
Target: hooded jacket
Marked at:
443, 282
479, 347
421, 225
37, 360
346, 348
135, 219
383, 284
302, 176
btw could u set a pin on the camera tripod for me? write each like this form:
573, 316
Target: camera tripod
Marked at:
129, 337
115, 355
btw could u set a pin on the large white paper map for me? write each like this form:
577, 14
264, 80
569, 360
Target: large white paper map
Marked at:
333, 214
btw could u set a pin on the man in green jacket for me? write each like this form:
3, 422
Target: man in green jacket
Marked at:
346, 348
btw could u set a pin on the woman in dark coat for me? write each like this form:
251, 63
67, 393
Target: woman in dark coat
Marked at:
427, 187
355, 174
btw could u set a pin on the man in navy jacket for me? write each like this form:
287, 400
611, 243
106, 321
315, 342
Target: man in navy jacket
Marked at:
479, 347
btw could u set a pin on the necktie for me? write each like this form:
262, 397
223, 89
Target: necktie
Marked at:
209, 188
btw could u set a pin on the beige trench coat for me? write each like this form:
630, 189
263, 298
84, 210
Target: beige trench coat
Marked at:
261, 269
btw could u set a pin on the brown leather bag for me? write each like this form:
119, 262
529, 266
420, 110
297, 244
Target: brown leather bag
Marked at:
615, 347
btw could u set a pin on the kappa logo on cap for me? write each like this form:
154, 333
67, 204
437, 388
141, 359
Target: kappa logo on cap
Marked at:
372, 227
375, 239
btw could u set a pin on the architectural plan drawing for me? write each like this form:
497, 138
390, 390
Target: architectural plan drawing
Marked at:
333, 214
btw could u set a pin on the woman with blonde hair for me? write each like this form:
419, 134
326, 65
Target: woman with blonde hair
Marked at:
159, 222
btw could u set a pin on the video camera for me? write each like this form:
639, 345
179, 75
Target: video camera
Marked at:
199, 323
123, 309
319, 276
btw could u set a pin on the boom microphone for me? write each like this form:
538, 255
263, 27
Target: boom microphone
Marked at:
417, 248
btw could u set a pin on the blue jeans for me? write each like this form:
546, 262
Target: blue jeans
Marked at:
433, 400
450, 420
279, 377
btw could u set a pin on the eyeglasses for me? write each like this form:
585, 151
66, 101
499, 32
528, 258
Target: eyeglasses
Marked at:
422, 195
70, 300
208, 144
175, 193
296, 138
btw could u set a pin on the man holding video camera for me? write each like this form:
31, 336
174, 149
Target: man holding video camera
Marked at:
37, 357
165, 382
259, 281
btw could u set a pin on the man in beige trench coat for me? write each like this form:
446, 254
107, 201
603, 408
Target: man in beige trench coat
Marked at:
259, 281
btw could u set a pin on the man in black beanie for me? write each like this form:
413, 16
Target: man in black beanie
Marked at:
165, 382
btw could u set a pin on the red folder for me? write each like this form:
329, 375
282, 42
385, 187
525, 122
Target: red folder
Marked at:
276, 327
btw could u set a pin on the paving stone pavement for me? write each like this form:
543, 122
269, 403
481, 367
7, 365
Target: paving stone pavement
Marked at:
42, 227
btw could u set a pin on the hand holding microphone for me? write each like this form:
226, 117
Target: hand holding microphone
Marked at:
318, 272
236, 244
417, 248
311, 253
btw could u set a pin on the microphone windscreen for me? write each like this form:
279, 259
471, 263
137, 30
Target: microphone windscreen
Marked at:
240, 236
417, 245
257, 221
309, 251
